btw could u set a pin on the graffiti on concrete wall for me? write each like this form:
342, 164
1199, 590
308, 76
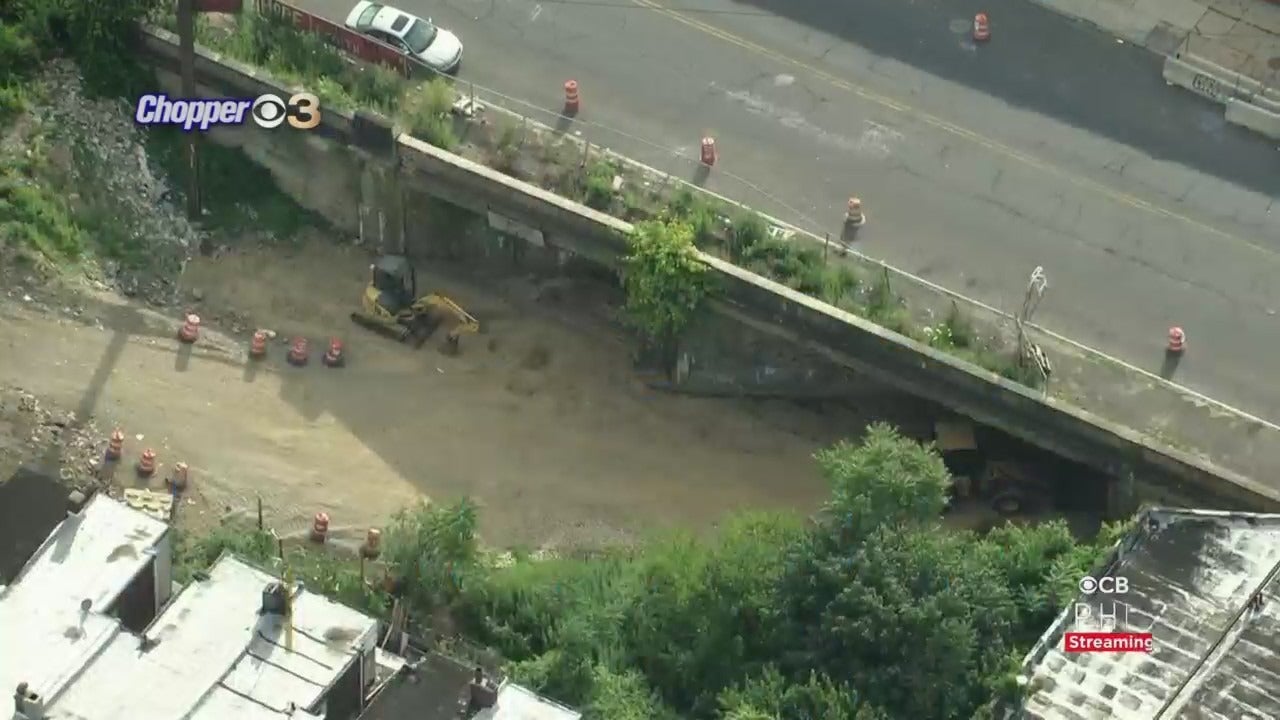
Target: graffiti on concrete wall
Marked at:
1208, 85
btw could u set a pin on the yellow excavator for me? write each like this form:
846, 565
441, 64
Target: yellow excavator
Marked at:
390, 306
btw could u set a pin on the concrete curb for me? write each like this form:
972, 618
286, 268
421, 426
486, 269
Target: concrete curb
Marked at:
1248, 104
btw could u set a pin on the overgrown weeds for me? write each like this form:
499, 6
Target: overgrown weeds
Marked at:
426, 113
506, 146
236, 194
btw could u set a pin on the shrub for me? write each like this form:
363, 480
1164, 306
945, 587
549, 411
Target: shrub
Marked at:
377, 86
506, 146
682, 203
664, 279
838, 284
959, 328
18, 53
426, 114
746, 233
36, 218
597, 187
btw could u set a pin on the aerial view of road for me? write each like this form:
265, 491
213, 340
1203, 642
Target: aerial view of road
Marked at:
1052, 145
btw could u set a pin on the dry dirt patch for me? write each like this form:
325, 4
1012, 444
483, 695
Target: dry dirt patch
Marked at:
539, 419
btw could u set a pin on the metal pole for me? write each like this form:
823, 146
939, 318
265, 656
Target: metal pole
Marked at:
187, 46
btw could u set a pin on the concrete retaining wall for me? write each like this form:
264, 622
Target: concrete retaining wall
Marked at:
776, 327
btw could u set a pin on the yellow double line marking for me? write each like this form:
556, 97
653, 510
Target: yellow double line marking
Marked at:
939, 123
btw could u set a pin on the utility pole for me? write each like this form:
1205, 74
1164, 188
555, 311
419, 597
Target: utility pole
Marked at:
187, 48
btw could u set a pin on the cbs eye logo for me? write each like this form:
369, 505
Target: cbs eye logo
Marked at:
302, 111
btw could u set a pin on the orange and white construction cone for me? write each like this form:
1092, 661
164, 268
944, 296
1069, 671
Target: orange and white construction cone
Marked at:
320, 528
372, 546
178, 480
147, 463
1177, 341
298, 352
258, 345
190, 330
572, 103
335, 357
854, 216
115, 446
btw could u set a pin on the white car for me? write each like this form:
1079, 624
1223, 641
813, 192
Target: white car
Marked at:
437, 47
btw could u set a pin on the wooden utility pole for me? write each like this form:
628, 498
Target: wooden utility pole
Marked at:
187, 48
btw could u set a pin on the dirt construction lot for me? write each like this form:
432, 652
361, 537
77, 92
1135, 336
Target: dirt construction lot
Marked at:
539, 419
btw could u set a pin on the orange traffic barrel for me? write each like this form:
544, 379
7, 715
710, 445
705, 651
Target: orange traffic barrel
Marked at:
147, 463
115, 446
854, 215
708, 153
571, 100
334, 357
372, 544
298, 352
190, 330
320, 527
981, 28
258, 345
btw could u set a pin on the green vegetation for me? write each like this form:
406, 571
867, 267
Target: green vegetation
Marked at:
304, 59
48, 206
746, 242
38, 221
664, 279
423, 110
869, 611
236, 194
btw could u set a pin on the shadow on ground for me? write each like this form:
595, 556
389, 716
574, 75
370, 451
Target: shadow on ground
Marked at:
1058, 67
31, 506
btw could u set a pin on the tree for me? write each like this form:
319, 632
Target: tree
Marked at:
665, 281
869, 613
622, 696
884, 480
704, 613
770, 696
430, 549
914, 616
876, 592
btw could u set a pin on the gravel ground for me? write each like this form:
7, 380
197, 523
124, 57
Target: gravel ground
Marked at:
95, 146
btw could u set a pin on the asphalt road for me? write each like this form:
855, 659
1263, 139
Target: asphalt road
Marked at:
1052, 145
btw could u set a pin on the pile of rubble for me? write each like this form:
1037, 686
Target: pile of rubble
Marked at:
35, 433
108, 164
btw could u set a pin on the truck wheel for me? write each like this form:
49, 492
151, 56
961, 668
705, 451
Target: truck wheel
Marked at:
1007, 503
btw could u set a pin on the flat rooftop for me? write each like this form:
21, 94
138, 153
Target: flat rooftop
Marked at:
518, 703
47, 638
211, 655
1191, 574
439, 688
